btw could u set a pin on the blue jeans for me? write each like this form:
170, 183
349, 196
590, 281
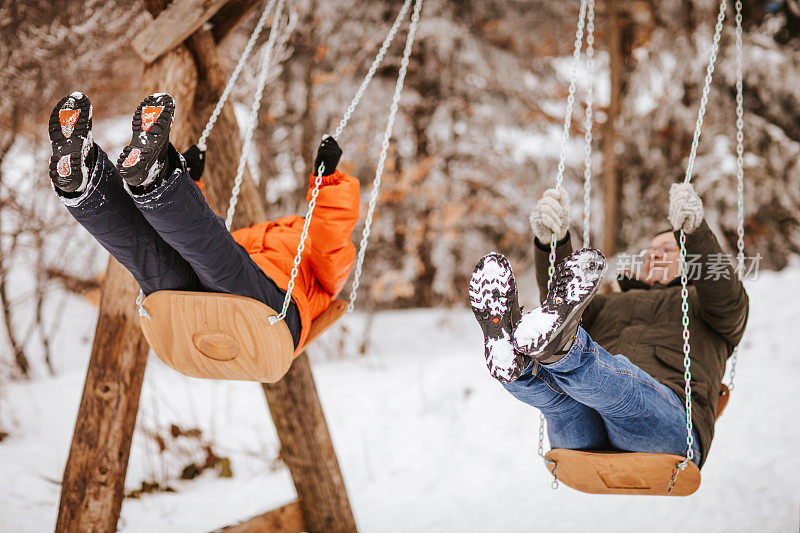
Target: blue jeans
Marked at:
170, 239
594, 400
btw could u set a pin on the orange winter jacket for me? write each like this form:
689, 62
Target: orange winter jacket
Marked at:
329, 252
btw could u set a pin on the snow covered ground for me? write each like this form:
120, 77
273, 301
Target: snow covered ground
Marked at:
426, 440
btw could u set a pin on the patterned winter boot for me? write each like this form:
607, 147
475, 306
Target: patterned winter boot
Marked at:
74, 153
493, 296
142, 163
547, 332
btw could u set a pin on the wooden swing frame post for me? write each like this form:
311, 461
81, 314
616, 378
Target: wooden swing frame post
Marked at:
93, 485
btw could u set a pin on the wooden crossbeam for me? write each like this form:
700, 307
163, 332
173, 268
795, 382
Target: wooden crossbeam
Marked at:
285, 519
173, 26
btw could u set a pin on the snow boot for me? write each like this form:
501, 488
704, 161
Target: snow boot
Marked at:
142, 163
74, 153
547, 332
493, 296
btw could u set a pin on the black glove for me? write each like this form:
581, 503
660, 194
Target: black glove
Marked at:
195, 161
328, 154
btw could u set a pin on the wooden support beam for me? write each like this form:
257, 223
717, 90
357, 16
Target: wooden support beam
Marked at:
285, 519
92, 490
173, 26
307, 450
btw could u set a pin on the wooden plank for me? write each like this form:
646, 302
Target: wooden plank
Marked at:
601, 472
173, 26
286, 519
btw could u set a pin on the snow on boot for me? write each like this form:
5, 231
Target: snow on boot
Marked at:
546, 333
141, 162
70, 131
493, 296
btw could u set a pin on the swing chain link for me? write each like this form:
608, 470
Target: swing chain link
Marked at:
235, 75
318, 182
372, 69
253, 120
571, 96
140, 305
674, 477
387, 137
739, 141
300, 247
551, 269
541, 436
712, 60
587, 125
739, 173
687, 362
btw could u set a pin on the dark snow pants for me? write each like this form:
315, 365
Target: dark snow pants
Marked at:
170, 239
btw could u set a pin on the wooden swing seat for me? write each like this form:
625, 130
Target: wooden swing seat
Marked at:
614, 472
224, 336
603, 472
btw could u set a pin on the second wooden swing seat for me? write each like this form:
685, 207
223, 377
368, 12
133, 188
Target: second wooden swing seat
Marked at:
610, 472
225, 336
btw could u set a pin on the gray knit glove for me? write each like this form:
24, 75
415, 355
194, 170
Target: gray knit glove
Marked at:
551, 216
685, 208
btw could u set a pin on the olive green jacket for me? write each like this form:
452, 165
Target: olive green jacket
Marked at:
644, 324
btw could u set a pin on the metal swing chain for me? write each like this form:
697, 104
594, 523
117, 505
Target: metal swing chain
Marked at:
387, 136
739, 171
587, 126
253, 120
387, 42
235, 75
687, 362
567, 122
551, 269
318, 181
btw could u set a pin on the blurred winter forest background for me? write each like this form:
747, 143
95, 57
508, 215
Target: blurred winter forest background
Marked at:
476, 143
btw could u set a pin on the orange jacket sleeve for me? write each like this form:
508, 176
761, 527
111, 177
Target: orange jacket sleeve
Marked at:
332, 252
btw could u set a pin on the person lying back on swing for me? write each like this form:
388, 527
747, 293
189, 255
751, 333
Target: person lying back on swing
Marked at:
150, 214
558, 357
